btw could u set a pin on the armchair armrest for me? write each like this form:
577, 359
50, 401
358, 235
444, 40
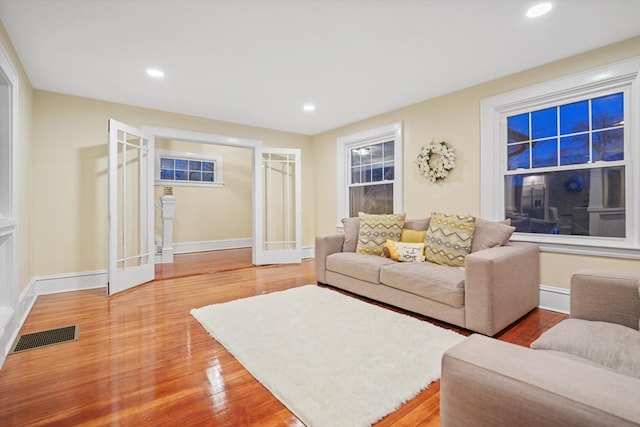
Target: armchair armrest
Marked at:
502, 284
606, 296
494, 383
326, 245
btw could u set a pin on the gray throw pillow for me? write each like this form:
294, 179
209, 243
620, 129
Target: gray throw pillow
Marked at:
610, 345
351, 230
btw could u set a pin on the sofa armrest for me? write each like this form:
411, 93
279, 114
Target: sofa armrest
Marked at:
502, 284
490, 382
606, 296
326, 245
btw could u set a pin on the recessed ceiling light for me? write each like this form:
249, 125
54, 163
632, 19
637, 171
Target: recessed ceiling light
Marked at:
154, 72
539, 10
309, 107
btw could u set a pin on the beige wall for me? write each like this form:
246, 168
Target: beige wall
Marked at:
206, 213
456, 118
25, 113
69, 184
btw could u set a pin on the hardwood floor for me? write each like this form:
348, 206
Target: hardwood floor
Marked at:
141, 358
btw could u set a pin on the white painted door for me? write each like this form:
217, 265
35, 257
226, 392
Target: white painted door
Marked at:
131, 257
281, 236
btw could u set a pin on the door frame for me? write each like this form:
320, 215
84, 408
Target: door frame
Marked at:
255, 145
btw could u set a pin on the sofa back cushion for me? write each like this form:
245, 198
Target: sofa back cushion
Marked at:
351, 228
489, 234
376, 229
448, 239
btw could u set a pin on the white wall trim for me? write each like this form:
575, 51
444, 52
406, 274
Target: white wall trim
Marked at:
554, 299
308, 252
211, 245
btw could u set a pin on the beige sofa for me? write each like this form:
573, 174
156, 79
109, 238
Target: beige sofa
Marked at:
496, 287
584, 371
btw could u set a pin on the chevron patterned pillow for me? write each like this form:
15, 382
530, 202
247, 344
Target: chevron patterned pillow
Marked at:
449, 239
376, 229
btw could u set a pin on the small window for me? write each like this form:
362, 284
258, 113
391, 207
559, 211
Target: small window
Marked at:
180, 168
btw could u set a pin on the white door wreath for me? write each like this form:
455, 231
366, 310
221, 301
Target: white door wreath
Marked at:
436, 160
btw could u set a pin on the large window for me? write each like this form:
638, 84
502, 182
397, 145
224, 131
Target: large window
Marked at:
558, 160
370, 172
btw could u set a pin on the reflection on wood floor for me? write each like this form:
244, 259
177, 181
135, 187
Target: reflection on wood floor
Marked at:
142, 359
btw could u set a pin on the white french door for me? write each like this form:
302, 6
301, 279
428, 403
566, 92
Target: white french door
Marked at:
131, 257
281, 237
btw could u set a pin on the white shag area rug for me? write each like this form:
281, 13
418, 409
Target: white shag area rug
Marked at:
333, 360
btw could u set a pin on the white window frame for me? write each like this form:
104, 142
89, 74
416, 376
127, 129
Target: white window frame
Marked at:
217, 176
348, 142
622, 76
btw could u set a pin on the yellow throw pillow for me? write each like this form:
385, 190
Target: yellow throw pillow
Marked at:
449, 239
412, 236
403, 252
376, 229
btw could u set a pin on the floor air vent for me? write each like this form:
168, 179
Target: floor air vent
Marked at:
45, 338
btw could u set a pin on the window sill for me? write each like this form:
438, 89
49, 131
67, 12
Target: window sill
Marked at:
161, 183
611, 248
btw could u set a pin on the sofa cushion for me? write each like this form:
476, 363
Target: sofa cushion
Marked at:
351, 228
412, 236
403, 251
358, 266
489, 234
610, 345
376, 229
428, 280
449, 238
417, 224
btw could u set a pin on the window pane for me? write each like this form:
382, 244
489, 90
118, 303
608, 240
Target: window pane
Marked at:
608, 145
545, 153
355, 157
195, 176
574, 117
166, 163
518, 128
207, 176
377, 173
166, 174
607, 111
365, 173
544, 123
574, 150
207, 166
182, 164
195, 165
389, 171
373, 199
518, 156
181, 175
355, 175
587, 202
388, 151
376, 153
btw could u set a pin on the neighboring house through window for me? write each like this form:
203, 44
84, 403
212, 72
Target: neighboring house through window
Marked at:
370, 172
561, 161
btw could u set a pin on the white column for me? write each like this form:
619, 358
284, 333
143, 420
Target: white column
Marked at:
168, 214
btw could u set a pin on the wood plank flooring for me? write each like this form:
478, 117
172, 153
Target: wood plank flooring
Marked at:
142, 360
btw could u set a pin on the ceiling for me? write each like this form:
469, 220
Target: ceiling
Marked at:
258, 62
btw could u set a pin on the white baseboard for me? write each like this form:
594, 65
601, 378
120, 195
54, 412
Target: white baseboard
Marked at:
554, 299
211, 245
70, 282
308, 252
